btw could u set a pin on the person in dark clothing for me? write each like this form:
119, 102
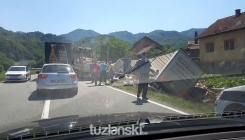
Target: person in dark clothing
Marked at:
142, 69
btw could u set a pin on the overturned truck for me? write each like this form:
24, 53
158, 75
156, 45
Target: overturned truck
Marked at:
174, 72
179, 73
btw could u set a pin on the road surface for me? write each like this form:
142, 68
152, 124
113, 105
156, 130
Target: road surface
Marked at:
19, 102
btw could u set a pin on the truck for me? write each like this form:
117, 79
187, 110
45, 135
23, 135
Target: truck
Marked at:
174, 72
178, 74
79, 58
83, 60
122, 66
58, 52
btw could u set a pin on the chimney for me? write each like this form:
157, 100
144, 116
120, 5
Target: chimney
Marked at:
238, 12
196, 40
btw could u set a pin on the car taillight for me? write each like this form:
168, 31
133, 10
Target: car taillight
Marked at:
73, 75
42, 76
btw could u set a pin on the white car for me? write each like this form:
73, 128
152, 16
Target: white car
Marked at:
17, 73
231, 99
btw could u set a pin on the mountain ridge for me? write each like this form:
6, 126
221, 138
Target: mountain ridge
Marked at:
161, 36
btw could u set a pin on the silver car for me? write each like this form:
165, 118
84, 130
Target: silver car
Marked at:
231, 99
55, 77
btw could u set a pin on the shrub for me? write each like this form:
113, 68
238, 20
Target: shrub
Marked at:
1, 68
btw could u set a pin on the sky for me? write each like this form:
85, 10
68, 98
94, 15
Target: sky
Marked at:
106, 16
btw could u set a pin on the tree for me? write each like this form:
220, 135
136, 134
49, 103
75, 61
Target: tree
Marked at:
118, 49
39, 63
1, 68
31, 64
5, 62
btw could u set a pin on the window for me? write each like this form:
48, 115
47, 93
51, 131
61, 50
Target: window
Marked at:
17, 69
209, 47
234, 96
57, 68
229, 45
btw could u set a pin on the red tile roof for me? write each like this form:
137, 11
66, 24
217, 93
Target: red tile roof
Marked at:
225, 25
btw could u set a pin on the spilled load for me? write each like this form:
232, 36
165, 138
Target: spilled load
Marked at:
178, 73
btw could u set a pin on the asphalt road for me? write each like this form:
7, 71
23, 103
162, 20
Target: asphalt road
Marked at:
19, 102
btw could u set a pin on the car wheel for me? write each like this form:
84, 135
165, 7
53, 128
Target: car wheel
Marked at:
75, 91
26, 79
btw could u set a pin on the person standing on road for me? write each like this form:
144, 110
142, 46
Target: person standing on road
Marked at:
95, 71
91, 69
111, 71
142, 68
103, 68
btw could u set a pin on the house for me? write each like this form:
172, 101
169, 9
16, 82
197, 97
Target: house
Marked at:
144, 44
222, 45
193, 50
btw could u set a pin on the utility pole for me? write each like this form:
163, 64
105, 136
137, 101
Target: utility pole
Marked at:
101, 52
108, 48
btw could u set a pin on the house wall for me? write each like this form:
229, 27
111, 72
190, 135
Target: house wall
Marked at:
194, 52
220, 61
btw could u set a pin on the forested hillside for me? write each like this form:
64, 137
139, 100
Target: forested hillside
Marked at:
29, 47
16, 47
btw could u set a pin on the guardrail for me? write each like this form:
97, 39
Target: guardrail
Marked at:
36, 68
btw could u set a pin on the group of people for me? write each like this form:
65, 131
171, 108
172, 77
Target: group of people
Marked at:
141, 69
101, 72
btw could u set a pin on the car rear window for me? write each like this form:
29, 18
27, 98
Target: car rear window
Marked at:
57, 69
234, 96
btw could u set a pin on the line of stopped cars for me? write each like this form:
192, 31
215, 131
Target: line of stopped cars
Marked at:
52, 77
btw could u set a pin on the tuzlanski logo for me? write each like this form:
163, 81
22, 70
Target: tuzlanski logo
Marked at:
133, 130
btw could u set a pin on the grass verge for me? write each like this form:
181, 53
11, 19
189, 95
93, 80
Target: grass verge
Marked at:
34, 72
2, 76
171, 100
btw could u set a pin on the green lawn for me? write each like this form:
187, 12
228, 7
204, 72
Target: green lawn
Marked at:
179, 103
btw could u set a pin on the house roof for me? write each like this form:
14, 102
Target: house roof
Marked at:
145, 37
223, 25
194, 47
145, 49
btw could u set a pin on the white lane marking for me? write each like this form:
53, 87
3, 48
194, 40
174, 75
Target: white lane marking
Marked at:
46, 109
164, 106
